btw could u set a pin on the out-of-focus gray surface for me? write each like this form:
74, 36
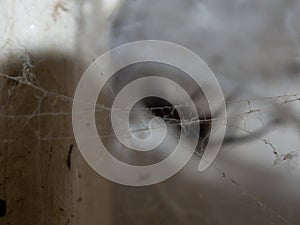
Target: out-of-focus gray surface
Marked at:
253, 49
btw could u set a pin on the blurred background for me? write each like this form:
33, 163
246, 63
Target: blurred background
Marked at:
252, 47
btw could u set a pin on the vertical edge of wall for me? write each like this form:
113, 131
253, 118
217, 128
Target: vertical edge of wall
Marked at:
36, 181
43, 177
